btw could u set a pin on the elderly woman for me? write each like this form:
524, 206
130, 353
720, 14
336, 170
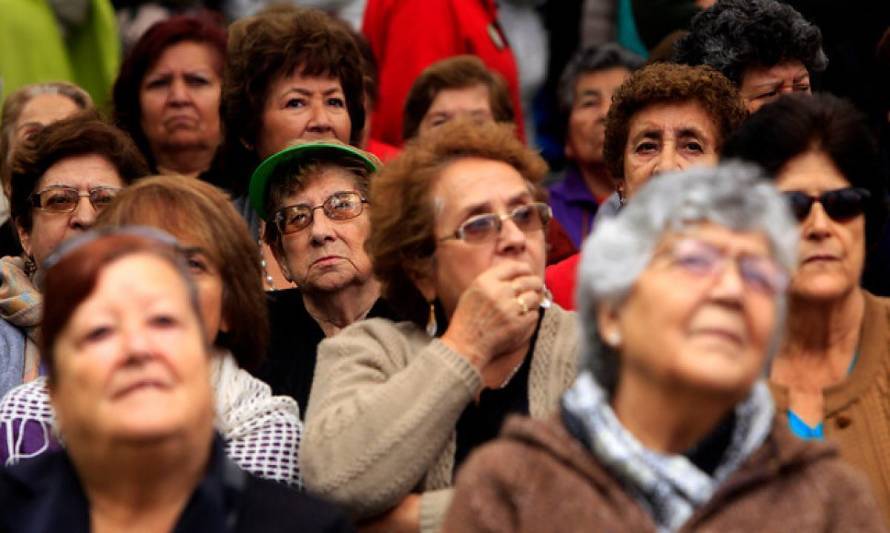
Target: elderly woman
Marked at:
670, 425
764, 46
829, 378
314, 198
130, 377
60, 181
664, 117
291, 74
457, 240
261, 432
168, 91
25, 112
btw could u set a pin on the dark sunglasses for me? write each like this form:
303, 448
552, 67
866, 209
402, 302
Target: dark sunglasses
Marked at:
839, 204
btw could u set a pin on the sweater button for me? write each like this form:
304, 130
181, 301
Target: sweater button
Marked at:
843, 421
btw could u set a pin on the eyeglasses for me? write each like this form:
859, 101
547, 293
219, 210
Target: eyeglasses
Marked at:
342, 205
480, 228
759, 273
65, 199
839, 204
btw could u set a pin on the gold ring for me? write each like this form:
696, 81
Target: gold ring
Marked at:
515, 286
523, 307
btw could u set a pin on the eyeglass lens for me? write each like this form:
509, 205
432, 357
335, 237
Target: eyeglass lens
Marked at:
66, 200
527, 218
338, 206
839, 204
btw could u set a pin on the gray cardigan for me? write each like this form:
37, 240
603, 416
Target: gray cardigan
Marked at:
386, 400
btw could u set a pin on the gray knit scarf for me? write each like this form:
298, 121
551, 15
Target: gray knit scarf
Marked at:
670, 487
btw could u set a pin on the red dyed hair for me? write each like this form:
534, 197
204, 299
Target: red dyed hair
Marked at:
203, 27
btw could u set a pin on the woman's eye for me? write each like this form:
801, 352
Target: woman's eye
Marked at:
295, 102
336, 102
196, 81
97, 334
646, 147
802, 88
768, 94
197, 266
478, 225
157, 83
162, 320
695, 147
694, 262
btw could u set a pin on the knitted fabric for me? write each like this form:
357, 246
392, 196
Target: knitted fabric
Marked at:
262, 432
671, 487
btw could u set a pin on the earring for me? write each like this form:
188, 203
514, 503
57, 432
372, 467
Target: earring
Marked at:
431, 326
30, 266
613, 338
620, 190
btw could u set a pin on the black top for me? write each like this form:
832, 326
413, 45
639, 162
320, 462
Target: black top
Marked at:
481, 421
290, 361
44, 495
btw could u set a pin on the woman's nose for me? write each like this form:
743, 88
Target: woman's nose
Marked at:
84, 214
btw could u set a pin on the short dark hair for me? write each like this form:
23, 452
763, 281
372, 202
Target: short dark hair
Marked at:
733, 35
190, 209
73, 278
797, 123
661, 83
81, 134
274, 43
458, 72
593, 59
200, 28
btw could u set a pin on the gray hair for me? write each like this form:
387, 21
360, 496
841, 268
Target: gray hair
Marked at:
593, 59
733, 35
734, 195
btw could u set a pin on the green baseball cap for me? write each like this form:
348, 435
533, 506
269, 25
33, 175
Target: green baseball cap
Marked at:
328, 150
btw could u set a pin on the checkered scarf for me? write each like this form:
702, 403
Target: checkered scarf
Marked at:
670, 487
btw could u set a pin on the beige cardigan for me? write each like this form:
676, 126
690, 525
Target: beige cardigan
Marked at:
386, 400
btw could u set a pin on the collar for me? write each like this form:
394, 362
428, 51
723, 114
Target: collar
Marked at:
46, 495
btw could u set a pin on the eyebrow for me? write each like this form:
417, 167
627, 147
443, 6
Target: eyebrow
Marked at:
776, 81
306, 92
485, 207
590, 92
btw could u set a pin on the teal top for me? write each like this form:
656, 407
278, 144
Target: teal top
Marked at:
806, 431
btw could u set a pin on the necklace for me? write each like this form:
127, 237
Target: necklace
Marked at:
512, 374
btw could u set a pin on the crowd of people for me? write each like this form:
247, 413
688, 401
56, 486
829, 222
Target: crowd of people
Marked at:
290, 276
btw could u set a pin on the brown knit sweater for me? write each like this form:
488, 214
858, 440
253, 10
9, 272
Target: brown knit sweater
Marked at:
536, 477
385, 401
857, 410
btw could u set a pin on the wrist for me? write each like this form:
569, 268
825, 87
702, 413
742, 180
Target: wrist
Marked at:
477, 358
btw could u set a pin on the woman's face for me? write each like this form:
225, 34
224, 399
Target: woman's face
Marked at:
83, 173
832, 252
179, 98
667, 137
762, 85
302, 107
466, 188
473, 102
327, 255
698, 317
40, 111
208, 280
132, 363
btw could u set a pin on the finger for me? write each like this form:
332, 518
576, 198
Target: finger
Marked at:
522, 284
527, 302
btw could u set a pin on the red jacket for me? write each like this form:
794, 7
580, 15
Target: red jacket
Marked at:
561, 278
407, 36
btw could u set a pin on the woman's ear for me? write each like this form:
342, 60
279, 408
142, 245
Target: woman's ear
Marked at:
421, 272
609, 325
24, 238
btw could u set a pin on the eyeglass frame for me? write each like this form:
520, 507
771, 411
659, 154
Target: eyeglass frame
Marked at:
34, 198
279, 213
459, 233
782, 280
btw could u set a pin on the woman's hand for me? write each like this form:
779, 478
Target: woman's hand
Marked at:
403, 518
496, 314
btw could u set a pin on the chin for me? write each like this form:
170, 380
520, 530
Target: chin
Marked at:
821, 288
